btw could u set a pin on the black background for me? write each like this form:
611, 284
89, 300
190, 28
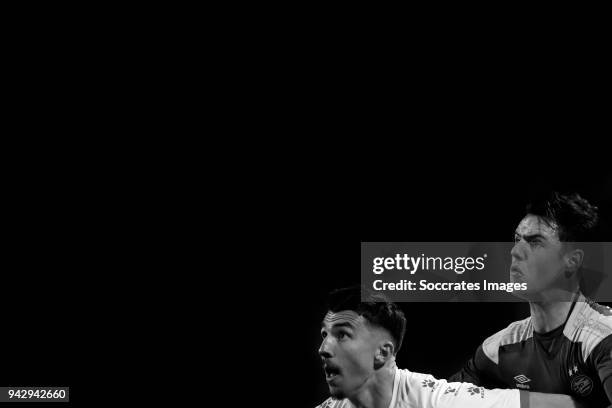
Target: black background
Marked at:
466, 202
44, 265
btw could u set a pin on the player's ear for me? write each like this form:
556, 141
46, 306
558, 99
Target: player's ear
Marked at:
573, 261
384, 352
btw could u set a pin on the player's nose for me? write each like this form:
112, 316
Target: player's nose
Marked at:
517, 252
325, 349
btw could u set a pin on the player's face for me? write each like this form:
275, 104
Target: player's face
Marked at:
537, 255
347, 352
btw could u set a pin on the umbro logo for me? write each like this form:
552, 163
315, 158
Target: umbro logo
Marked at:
522, 379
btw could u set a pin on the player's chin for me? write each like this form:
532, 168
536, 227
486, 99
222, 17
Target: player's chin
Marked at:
516, 277
336, 392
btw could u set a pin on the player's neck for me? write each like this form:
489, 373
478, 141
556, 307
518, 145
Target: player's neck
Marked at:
547, 315
378, 390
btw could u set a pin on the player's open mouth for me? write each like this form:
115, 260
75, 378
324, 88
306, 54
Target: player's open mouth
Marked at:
331, 373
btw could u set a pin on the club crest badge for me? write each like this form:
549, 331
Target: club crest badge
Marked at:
581, 385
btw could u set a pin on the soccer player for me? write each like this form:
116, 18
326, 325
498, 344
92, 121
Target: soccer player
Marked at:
564, 346
360, 342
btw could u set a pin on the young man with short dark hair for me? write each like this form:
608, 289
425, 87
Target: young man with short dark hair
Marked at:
565, 346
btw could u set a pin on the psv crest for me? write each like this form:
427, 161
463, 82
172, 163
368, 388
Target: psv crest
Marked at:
581, 385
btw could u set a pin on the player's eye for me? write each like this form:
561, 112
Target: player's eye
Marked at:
533, 242
342, 335
323, 334
517, 238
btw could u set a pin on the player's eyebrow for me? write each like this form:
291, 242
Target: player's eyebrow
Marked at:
529, 237
341, 324
344, 324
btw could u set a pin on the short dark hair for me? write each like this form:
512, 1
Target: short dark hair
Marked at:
576, 218
375, 308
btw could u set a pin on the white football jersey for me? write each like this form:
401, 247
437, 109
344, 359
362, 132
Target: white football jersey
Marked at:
415, 390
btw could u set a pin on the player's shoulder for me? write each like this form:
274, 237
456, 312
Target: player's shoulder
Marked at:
335, 403
418, 382
515, 332
589, 324
409, 378
414, 388
589, 315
